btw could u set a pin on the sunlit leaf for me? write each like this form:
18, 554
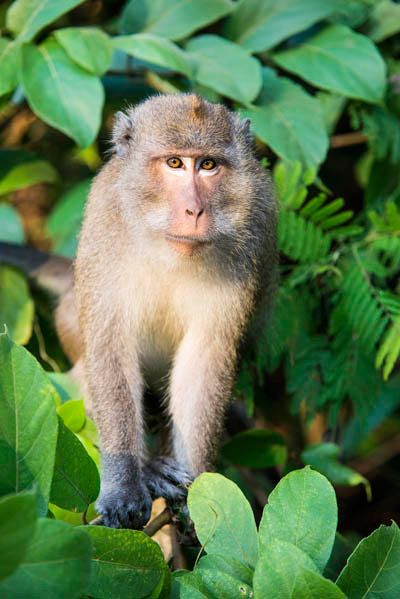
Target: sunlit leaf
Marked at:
51, 81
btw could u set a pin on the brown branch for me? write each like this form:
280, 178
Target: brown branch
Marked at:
97, 521
158, 522
348, 139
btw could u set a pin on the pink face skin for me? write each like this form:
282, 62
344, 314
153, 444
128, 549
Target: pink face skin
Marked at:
189, 180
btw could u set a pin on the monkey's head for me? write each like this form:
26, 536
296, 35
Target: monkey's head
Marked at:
188, 176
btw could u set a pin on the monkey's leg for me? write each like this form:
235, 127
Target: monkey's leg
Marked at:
200, 388
124, 500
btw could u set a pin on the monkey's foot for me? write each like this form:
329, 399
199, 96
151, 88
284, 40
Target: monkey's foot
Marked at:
125, 506
166, 478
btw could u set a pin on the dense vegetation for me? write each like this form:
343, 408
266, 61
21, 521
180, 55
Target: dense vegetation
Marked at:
320, 82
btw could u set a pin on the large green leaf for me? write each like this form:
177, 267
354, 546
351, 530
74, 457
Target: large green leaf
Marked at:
174, 19
289, 120
225, 67
26, 17
211, 584
324, 457
155, 49
16, 305
384, 20
223, 518
60, 92
56, 564
285, 572
255, 448
302, 510
89, 47
76, 481
11, 229
340, 60
18, 516
126, 563
66, 217
373, 569
20, 168
260, 24
229, 565
8, 65
28, 423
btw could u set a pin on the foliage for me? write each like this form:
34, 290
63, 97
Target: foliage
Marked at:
304, 72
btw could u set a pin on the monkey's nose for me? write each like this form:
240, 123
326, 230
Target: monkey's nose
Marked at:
196, 213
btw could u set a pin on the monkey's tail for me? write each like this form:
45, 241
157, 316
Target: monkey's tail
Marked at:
54, 273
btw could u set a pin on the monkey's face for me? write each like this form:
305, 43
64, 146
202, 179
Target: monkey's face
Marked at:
188, 175
188, 183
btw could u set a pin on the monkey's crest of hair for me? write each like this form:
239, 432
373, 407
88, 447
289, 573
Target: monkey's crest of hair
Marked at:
162, 121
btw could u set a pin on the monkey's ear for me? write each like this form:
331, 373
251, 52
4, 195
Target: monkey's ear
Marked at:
121, 133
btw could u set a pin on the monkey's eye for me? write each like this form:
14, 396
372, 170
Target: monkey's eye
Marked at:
175, 162
208, 164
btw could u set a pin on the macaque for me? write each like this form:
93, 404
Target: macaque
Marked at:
176, 258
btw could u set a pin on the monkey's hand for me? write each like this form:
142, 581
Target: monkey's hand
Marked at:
124, 500
125, 505
166, 478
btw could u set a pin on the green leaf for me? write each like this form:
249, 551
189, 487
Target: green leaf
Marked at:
228, 565
11, 229
73, 414
340, 60
384, 20
225, 67
18, 515
174, 19
302, 510
28, 423
285, 572
56, 564
126, 563
260, 24
223, 518
373, 569
220, 585
26, 17
8, 66
156, 50
16, 305
256, 448
324, 458
188, 586
19, 169
76, 482
65, 220
51, 80
289, 120
89, 47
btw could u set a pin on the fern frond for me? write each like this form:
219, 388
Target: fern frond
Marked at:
300, 239
388, 251
358, 308
389, 349
389, 222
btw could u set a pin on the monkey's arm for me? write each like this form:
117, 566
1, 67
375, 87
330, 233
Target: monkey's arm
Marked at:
116, 391
201, 386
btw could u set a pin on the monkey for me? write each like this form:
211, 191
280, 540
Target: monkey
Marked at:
176, 259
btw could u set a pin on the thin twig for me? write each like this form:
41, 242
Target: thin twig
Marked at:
348, 139
165, 517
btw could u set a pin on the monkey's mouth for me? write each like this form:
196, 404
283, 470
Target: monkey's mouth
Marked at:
186, 244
